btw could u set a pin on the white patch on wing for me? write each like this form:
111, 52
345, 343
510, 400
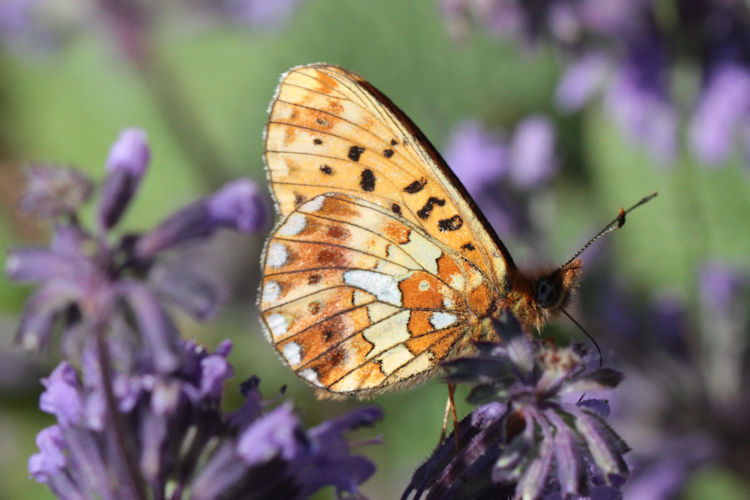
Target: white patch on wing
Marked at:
311, 376
277, 255
440, 320
294, 225
292, 353
382, 286
314, 205
457, 281
271, 291
277, 324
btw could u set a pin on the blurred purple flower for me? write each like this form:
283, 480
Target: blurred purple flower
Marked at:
53, 190
532, 153
724, 107
494, 169
719, 285
498, 17
145, 419
682, 406
639, 102
260, 13
661, 323
580, 81
533, 435
646, 50
51, 457
127, 162
238, 205
478, 157
86, 280
185, 444
41, 25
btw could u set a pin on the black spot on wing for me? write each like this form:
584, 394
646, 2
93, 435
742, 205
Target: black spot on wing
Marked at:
367, 180
426, 210
416, 186
387, 153
396, 208
468, 246
394, 142
450, 224
317, 141
326, 170
355, 152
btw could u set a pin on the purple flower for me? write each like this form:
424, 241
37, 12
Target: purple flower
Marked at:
682, 405
31, 25
639, 102
61, 397
53, 191
238, 206
719, 285
274, 435
629, 324
89, 280
260, 13
478, 157
533, 435
181, 440
580, 81
51, 457
499, 17
649, 56
38, 25
127, 162
145, 418
723, 108
532, 153
495, 170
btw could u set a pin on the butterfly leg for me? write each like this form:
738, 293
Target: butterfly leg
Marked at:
450, 409
452, 405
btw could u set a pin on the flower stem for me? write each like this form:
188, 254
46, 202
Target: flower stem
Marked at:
117, 427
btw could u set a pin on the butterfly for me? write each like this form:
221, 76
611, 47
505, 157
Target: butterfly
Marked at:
381, 265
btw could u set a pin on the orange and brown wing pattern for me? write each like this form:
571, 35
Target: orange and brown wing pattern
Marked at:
331, 131
356, 298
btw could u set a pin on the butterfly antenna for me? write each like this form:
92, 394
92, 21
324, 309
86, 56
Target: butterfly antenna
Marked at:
616, 223
598, 349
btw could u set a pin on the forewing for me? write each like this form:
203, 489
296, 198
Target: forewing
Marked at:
356, 298
331, 131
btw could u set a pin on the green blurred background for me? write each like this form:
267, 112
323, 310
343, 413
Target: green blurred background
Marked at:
68, 105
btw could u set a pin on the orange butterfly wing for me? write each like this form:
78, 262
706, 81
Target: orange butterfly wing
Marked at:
356, 298
330, 130
350, 303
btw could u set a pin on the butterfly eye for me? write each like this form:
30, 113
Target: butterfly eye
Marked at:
546, 293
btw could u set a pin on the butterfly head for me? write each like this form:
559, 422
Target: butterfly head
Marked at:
536, 297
